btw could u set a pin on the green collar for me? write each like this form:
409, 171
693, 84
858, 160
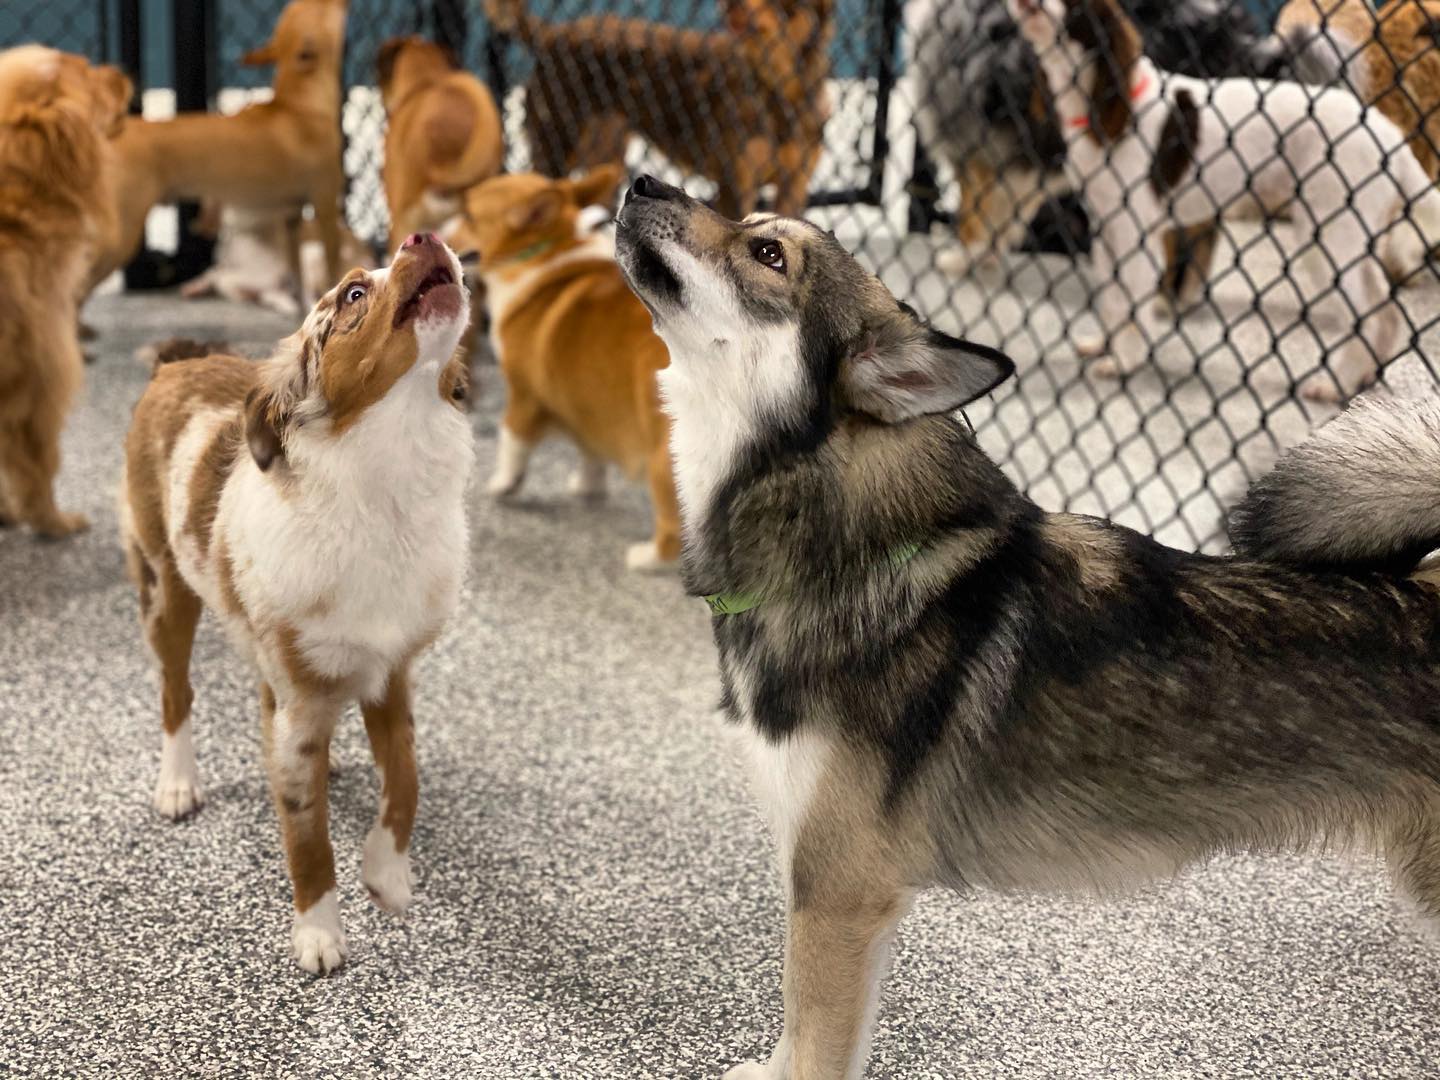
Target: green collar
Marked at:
738, 603
537, 248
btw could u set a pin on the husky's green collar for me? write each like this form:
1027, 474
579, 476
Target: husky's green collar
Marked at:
739, 603
525, 253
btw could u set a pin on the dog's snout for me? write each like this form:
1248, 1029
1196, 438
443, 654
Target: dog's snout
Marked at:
647, 187
417, 239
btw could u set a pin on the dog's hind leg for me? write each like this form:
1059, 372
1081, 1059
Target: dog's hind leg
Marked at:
1361, 292
662, 552
521, 428
385, 865
297, 734
1412, 852
1129, 258
171, 611
30, 444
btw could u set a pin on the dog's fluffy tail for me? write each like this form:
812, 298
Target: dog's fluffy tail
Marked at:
1363, 493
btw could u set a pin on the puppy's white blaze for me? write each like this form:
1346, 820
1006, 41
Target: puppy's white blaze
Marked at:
317, 938
177, 792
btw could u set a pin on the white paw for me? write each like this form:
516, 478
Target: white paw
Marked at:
1108, 368
177, 792
751, 1070
502, 484
645, 558
316, 938
385, 871
1088, 343
1321, 387
177, 798
587, 482
960, 261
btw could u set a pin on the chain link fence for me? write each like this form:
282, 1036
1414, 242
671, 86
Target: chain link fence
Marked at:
933, 140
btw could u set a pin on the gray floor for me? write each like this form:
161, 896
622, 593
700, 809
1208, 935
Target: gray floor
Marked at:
594, 893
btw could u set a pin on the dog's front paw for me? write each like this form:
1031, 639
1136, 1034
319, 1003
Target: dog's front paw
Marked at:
646, 559
177, 797
587, 482
316, 937
1088, 344
1322, 387
751, 1070
385, 871
59, 525
962, 260
502, 485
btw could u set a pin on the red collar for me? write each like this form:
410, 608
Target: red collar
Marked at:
1138, 91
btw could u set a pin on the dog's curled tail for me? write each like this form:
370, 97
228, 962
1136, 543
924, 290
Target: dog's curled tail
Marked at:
510, 17
1363, 493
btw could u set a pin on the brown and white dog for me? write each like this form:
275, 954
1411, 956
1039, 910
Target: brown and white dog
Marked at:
315, 503
57, 114
276, 156
1388, 57
443, 133
576, 347
1152, 150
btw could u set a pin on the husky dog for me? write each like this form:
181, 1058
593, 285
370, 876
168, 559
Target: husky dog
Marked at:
944, 685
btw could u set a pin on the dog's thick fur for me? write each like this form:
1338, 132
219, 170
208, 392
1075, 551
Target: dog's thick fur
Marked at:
942, 684
1152, 150
277, 155
442, 135
57, 114
315, 504
744, 106
985, 110
576, 348
1388, 57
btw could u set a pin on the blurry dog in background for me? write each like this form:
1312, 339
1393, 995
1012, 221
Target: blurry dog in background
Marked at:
57, 177
272, 157
1152, 151
576, 348
985, 110
1388, 57
744, 106
443, 133
316, 504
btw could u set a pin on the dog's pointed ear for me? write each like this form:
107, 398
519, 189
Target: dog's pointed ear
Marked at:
906, 369
597, 187
263, 424
385, 58
262, 56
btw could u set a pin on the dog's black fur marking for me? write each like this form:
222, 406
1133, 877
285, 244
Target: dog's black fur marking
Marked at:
1179, 139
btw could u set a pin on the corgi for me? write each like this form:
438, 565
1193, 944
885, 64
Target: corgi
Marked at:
575, 346
315, 503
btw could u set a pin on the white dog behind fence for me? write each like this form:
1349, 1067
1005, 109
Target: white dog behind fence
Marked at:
1351, 184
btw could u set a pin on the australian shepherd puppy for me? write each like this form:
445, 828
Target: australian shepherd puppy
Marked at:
1151, 150
315, 503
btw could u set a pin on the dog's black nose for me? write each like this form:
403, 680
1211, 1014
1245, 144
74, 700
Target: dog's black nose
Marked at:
647, 187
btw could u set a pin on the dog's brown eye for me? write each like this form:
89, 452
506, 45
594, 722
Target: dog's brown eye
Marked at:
355, 293
770, 253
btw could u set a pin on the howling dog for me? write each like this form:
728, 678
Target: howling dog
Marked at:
1151, 150
314, 503
943, 685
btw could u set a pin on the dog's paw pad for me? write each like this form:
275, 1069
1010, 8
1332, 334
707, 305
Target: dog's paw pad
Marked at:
645, 558
386, 872
318, 949
751, 1070
177, 799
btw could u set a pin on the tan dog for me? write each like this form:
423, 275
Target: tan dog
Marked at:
57, 114
278, 155
576, 348
1389, 57
444, 133
316, 504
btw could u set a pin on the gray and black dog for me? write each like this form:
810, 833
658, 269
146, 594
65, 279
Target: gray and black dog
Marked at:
943, 685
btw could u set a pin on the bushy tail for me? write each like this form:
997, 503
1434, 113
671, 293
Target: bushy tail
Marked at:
1362, 493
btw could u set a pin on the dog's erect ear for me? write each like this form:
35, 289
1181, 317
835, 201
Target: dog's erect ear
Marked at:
265, 54
386, 57
907, 369
597, 187
535, 214
262, 428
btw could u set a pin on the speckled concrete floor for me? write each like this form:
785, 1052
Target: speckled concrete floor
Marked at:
594, 893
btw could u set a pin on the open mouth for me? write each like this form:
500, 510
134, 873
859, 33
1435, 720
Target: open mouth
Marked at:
439, 277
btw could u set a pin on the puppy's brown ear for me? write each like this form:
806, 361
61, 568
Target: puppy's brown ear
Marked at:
906, 369
535, 214
265, 54
262, 428
597, 187
385, 59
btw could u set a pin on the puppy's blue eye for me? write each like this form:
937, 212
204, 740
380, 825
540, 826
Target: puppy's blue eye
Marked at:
355, 293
